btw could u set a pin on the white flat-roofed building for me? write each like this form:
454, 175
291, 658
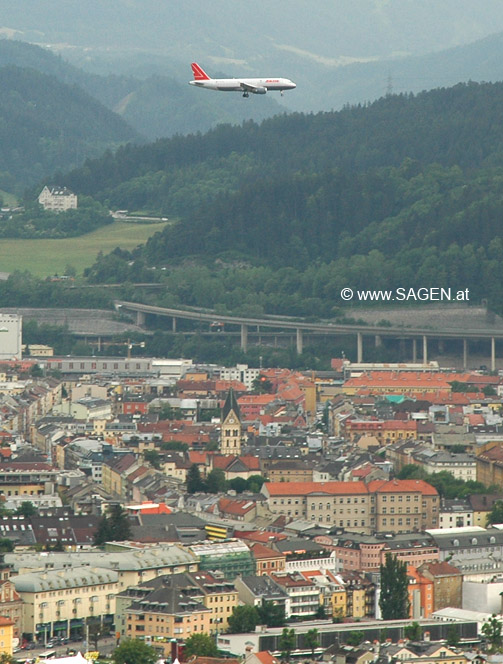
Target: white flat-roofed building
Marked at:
242, 373
11, 326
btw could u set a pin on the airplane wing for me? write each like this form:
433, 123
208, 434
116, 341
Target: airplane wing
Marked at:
247, 87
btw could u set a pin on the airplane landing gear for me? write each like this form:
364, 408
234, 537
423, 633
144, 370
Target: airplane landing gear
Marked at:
245, 94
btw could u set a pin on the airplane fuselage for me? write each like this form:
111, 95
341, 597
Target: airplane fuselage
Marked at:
237, 84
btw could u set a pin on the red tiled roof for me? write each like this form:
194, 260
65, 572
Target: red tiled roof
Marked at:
442, 568
265, 657
235, 507
402, 486
402, 379
305, 488
264, 552
198, 457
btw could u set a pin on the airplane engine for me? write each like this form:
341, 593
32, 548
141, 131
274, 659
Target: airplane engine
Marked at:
260, 91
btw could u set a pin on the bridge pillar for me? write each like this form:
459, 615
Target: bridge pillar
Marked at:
173, 325
425, 349
493, 354
441, 346
299, 341
465, 353
378, 340
244, 337
359, 347
414, 351
140, 318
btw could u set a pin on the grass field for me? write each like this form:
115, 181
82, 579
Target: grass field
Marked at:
8, 199
45, 257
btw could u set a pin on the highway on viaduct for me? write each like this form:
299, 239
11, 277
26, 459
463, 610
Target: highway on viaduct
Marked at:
300, 327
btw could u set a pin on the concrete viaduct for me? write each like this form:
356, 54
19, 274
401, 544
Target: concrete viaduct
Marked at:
416, 335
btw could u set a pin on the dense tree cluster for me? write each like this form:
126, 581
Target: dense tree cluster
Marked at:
215, 482
48, 125
445, 483
35, 222
404, 192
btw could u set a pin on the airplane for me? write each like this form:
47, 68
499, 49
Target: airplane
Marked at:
257, 86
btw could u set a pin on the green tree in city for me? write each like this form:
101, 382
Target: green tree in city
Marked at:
134, 651
194, 480
491, 629
5, 658
496, 513
113, 527
311, 640
27, 509
394, 600
287, 643
153, 457
270, 614
355, 638
201, 644
6, 545
413, 632
243, 618
453, 637
216, 482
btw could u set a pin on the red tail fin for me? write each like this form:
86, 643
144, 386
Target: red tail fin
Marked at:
199, 74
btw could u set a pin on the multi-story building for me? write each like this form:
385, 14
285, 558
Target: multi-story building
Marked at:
380, 506
114, 472
57, 199
6, 636
169, 611
385, 431
132, 565
447, 582
455, 513
215, 593
490, 466
323, 502
366, 553
34, 478
58, 602
290, 470
405, 505
399, 382
231, 557
303, 555
255, 590
470, 549
481, 505
242, 373
267, 560
420, 594
11, 604
305, 597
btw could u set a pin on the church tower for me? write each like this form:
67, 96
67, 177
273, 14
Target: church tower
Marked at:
231, 432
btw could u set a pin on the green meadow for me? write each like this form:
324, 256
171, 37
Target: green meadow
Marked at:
46, 257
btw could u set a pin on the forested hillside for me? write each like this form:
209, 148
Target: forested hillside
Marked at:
279, 217
154, 105
47, 125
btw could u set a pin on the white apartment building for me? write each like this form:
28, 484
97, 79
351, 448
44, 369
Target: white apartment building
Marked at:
57, 199
240, 372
